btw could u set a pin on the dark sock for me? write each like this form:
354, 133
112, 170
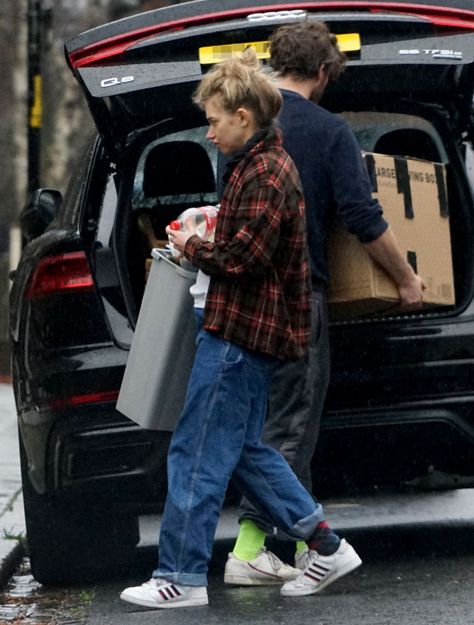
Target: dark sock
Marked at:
324, 540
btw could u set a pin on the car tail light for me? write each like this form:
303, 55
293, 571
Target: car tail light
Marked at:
86, 398
437, 18
63, 272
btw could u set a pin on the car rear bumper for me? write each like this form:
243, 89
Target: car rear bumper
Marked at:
426, 443
97, 453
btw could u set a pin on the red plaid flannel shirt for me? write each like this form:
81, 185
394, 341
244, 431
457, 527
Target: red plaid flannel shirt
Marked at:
259, 292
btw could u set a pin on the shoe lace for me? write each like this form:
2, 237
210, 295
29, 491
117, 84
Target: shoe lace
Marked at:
304, 559
275, 561
156, 583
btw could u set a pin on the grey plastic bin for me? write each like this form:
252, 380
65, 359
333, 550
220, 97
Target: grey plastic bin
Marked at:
162, 351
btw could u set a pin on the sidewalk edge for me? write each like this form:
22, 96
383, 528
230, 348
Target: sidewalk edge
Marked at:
11, 560
13, 548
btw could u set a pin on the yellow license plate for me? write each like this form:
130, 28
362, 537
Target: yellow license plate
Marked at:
215, 54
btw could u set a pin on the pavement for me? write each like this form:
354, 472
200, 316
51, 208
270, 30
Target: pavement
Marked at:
12, 519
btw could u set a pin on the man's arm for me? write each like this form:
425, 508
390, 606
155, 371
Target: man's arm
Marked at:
386, 252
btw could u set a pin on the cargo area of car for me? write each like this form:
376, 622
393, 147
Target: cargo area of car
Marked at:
176, 168
396, 93
174, 172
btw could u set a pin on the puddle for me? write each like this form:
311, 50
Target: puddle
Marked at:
26, 602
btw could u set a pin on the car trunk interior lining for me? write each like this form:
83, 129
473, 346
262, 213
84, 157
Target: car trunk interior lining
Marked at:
188, 165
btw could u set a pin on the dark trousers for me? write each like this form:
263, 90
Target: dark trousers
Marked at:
295, 406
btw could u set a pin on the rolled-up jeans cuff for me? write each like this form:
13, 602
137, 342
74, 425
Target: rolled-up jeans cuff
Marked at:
256, 518
185, 579
302, 530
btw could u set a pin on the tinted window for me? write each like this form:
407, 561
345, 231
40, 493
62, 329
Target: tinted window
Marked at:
397, 134
180, 173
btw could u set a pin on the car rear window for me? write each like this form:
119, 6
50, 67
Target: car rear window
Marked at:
178, 168
397, 134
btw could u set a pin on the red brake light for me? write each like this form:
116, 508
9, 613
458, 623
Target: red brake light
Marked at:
86, 398
441, 19
63, 272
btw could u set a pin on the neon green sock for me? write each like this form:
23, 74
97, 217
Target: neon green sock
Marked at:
249, 541
301, 546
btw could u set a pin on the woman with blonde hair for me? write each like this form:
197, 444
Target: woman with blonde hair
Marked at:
256, 310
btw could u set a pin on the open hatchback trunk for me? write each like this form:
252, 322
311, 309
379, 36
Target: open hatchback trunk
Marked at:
407, 91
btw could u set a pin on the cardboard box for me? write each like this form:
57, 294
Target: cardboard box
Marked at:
413, 196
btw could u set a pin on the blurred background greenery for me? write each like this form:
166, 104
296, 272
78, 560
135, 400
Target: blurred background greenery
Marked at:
43, 116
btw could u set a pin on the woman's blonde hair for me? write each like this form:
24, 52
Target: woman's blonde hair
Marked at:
240, 81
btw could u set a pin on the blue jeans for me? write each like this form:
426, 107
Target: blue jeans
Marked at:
295, 406
218, 436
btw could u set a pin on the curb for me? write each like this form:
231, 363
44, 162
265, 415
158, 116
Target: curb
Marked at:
12, 538
12, 517
10, 562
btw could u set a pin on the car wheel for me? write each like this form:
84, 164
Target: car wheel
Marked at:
73, 541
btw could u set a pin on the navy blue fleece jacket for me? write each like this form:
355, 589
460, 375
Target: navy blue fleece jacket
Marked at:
333, 174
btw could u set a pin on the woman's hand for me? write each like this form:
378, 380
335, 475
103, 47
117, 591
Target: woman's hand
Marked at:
178, 238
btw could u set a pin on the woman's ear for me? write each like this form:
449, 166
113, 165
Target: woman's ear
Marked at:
244, 116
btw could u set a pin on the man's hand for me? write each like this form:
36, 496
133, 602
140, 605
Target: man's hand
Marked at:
386, 252
411, 293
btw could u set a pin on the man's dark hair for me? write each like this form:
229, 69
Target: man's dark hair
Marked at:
301, 49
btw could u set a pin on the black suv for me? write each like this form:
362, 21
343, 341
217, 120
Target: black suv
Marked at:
400, 408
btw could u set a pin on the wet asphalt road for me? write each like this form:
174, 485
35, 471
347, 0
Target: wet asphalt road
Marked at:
418, 553
410, 576
418, 569
417, 548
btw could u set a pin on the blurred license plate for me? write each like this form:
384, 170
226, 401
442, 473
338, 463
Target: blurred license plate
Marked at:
214, 54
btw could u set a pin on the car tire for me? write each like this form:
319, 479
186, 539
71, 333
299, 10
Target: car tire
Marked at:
73, 541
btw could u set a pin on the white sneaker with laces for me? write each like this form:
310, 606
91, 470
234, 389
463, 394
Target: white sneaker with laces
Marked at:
159, 593
266, 570
321, 571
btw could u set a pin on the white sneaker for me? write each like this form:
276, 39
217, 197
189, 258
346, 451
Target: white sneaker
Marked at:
265, 570
159, 593
322, 571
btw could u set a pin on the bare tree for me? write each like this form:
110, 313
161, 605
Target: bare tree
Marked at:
66, 121
12, 144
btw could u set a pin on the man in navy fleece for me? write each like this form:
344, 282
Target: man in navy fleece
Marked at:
305, 56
